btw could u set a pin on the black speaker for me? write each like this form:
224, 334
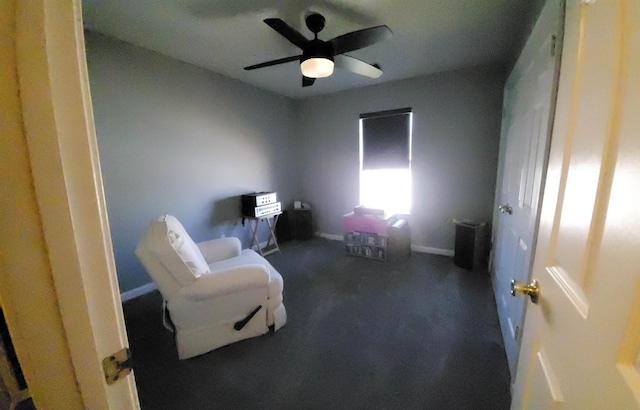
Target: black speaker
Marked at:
472, 245
302, 223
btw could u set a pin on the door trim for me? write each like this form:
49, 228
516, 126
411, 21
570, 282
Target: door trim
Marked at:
63, 155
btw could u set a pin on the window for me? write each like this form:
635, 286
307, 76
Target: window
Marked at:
385, 160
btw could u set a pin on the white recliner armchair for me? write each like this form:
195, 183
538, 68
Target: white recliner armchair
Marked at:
214, 292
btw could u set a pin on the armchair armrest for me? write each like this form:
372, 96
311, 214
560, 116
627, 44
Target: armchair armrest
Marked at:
227, 282
218, 249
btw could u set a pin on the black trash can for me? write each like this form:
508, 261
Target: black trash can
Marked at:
472, 245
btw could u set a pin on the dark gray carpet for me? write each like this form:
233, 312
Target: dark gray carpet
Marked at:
419, 333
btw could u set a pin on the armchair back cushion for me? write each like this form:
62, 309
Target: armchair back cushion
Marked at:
176, 251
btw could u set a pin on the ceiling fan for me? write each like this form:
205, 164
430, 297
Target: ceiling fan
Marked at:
319, 57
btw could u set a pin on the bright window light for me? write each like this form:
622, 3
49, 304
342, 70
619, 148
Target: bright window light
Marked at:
388, 189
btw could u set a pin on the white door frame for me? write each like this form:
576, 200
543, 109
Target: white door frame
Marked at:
74, 287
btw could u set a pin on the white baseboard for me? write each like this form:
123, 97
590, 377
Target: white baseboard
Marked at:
330, 236
134, 293
433, 251
415, 248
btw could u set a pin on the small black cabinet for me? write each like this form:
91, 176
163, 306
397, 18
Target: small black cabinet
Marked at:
302, 223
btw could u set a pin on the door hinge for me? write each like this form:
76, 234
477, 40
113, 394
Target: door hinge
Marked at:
554, 43
117, 365
518, 334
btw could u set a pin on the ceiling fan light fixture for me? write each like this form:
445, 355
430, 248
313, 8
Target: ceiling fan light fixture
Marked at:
317, 67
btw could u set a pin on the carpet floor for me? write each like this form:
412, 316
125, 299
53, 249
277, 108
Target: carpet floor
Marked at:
418, 333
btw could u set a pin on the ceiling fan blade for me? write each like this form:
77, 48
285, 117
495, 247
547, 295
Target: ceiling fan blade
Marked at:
287, 32
307, 81
357, 66
360, 39
273, 62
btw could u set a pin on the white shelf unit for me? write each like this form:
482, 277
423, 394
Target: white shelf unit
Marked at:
366, 245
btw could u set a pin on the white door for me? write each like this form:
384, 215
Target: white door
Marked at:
528, 102
581, 342
67, 186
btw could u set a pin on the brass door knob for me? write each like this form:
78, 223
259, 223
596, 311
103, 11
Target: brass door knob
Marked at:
520, 289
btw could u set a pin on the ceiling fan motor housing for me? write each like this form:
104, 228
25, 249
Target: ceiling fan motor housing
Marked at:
318, 48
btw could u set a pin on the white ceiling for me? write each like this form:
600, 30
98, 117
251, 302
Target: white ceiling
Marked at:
226, 35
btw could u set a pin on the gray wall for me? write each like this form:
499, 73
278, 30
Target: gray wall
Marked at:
178, 139
456, 133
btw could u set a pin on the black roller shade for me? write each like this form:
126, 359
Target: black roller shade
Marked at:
386, 139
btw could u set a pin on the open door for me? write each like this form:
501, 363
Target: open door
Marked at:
529, 104
582, 338
58, 286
